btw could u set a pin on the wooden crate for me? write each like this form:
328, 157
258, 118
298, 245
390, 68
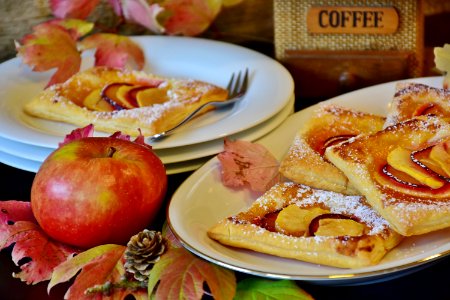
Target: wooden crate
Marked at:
333, 48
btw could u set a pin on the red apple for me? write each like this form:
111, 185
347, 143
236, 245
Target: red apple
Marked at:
98, 190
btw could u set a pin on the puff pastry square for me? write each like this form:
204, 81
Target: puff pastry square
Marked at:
329, 124
403, 171
170, 101
415, 99
295, 221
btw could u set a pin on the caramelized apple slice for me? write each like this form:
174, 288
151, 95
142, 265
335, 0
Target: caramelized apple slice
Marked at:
293, 220
110, 94
94, 101
125, 97
335, 225
427, 108
423, 157
146, 96
402, 160
440, 154
335, 140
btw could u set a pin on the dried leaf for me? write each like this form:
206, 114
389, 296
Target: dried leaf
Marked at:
141, 12
50, 46
117, 7
77, 28
88, 131
101, 266
181, 276
17, 225
248, 164
78, 9
257, 288
114, 50
189, 17
77, 134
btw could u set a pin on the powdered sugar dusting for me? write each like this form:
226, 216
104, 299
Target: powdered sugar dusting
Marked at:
342, 204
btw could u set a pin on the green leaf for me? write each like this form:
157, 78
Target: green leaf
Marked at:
264, 289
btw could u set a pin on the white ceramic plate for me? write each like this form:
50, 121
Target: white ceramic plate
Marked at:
270, 89
168, 156
33, 166
202, 200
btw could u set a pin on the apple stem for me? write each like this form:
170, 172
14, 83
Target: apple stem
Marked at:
111, 151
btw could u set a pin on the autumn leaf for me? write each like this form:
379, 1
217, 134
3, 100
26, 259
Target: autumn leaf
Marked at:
77, 134
248, 164
78, 9
113, 50
42, 255
256, 288
77, 28
140, 12
50, 46
181, 276
102, 268
189, 17
88, 131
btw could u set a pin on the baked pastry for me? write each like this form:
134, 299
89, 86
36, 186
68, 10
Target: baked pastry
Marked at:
329, 124
295, 221
415, 99
403, 171
126, 101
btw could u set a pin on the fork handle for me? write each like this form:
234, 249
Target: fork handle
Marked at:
189, 117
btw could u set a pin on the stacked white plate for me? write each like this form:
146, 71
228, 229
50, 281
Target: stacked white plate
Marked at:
26, 141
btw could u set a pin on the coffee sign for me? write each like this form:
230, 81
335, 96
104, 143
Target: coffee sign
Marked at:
353, 20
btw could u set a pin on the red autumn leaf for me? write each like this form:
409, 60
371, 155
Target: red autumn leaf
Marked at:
114, 50
181, 276
140, 12
78, 9
190, 17
17, 225
248, 164
117, 7
88, 131
50, 46
102, 268
78, 133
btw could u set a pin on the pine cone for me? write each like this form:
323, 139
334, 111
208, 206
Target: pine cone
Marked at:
143, 250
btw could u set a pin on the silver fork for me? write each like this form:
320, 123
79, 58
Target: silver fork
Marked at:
236, 88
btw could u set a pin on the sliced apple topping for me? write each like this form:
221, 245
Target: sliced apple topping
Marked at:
427, 109
440, 154
403, 160
335, 225
119, 95
335, 140
94, 101
293, 220
111, 94
146, 96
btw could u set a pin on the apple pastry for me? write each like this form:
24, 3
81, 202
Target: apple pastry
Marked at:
329, 124
126, 101
296, 221
415, 99
403, 171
